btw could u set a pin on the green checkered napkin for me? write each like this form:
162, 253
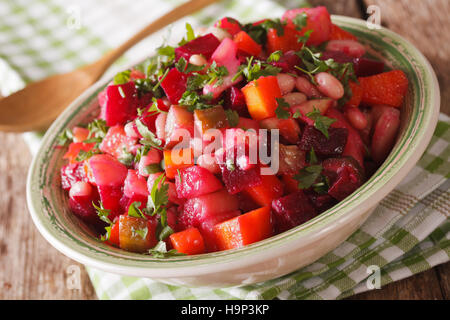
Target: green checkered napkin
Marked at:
408, 233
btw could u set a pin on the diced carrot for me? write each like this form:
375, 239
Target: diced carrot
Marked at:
114, 235
247, 44
75, 148
338, 33
385, 88
263, 194
245, 229
211, 118
357, 94
176, 159
260, 96
136, 234
189, 241
286, 42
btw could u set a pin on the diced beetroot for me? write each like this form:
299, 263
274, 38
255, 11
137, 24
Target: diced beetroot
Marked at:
235, 100
287, 62
323, 146
224, 55
120, 104
204, 45
344, 174
149, 117
232, 26
292, 210
292, 159
116, 141
81, 196
135, 198
196, 181
337, 56
174, 85
355, 146
179, 124
367, 67
135, 185
105, 170
322, 202
110, 197
71, 173
349, 47
207, 225
199, 209
237, 179
318, 20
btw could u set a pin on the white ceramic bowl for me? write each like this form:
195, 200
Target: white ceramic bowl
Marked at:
264, 260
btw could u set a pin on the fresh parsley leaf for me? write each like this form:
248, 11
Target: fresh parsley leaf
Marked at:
190, 35
158, 198
283, 109
148, 137
300, 21
102, 212
321, 123
160, 251
193, 101
84, 155
308, 176
126, 157
183, 66
275, 56
232, 117
139, 232
313, 157
65, 137
135, 211
97, 129
255, 69
167, 51
165, 232
216, 74
122, 77
152, 168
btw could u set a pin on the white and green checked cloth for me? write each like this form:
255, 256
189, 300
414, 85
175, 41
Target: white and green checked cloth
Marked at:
408, 233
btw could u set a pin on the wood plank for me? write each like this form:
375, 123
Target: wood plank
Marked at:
419, 287
30, 267
423, 23
443, 274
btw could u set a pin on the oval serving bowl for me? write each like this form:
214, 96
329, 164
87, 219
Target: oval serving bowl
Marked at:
268, 259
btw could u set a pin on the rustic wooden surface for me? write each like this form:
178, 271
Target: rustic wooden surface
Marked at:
32, 269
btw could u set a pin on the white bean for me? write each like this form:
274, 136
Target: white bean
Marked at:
294, 98
349, 47
286, 83
198, 60
305, 86
329, 85
219, 33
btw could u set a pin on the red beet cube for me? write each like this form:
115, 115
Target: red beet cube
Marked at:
344, 174
174, 85
196, 181
119, 104
333, 146
204, 45
71, 173
292, 210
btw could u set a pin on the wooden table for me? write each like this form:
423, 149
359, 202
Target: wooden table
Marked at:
30, 268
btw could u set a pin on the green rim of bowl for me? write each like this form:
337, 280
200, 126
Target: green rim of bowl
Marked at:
83, 247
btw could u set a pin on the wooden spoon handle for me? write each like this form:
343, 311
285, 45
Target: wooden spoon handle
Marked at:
179, 12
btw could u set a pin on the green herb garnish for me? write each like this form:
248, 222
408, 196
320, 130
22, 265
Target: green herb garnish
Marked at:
321, 123
283, 109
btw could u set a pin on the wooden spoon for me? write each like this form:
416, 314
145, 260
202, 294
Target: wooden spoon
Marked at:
38, 104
